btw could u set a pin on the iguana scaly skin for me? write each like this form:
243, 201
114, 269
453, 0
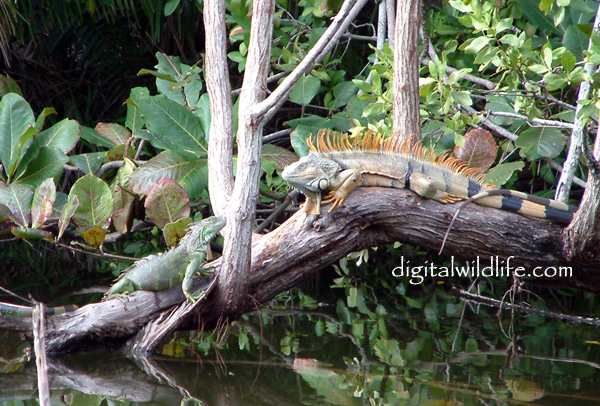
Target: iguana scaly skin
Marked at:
179, 265
13, 310
337, 165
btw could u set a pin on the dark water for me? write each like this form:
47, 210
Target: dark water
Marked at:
427, 350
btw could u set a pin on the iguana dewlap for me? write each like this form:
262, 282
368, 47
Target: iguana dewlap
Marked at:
336, 166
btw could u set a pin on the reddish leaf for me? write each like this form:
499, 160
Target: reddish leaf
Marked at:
479, 150
167, 202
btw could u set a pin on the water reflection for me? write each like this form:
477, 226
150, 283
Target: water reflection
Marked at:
427, 354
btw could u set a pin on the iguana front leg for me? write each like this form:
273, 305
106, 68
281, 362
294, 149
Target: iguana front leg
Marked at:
347, 180
187, 284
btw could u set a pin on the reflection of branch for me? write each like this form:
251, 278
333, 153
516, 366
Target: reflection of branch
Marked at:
488, 301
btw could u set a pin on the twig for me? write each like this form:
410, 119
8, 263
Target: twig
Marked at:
537, 121
570, 165
513, 137
488, 301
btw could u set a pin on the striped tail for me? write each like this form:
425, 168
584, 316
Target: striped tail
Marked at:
518, 202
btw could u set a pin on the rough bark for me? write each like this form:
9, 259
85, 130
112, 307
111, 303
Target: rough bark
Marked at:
231, 290
582, 237
305, 244
220, 145
407, 120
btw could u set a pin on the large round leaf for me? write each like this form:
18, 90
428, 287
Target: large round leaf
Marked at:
167, 202
48, 163
191, 175
166, 118
95, 202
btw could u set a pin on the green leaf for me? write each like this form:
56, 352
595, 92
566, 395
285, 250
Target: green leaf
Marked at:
166, 118
191, 175
167, 202
95, 202
305, 90
67, 213
134, 120
280, 156
43, 200
16, 117
203, 113
17, 198
41, 120
174, 232
170, 6
49, 163
92, 136
7, 215
568, 61
31, 234
89, 162
123, 200
8, 85
536, 142
62, 135
501, 173
476, 45
342, 94
114, 132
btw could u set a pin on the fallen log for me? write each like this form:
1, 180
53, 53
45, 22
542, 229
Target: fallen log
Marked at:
303, 245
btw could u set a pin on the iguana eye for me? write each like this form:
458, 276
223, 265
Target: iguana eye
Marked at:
323, 183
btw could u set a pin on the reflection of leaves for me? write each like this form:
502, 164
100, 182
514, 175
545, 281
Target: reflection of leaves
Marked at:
523, 390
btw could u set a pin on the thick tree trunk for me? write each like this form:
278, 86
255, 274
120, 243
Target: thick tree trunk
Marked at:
231, 291
305, 244
220, 145
407, 120
582, 237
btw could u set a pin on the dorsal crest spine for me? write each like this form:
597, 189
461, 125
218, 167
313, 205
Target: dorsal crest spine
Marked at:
335, 141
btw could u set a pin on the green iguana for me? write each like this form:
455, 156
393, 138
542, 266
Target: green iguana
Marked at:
13, 310
337, 165
180, 264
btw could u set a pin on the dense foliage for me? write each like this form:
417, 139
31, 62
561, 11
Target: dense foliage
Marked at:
517, 65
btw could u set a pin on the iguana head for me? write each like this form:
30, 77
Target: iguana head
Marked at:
311, 175
205, 230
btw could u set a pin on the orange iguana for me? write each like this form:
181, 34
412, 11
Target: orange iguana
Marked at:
337, 165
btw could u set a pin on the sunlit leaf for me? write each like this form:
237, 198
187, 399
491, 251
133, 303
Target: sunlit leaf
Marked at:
166, 118
501, 173
92, 136
192, 175
167, 202
134, 120
114, 132
95, 202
